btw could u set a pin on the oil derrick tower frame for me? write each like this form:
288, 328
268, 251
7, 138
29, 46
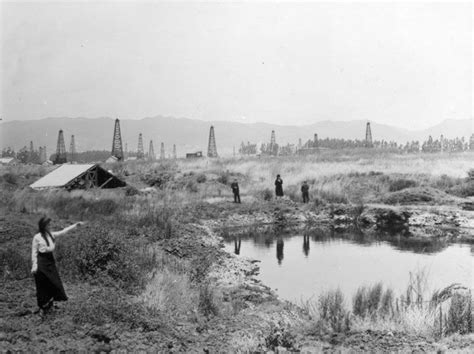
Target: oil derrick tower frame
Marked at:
72, 149
162, 151
42, 154
174, 151
368, 136
211, 147
117, 149
61, 156
140, 152
151, 152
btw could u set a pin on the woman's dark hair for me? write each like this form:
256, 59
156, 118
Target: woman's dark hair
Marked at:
278, 176
42, 224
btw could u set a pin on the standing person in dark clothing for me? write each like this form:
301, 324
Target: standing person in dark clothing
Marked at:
235, 189
49, 287
279, 186
305, 192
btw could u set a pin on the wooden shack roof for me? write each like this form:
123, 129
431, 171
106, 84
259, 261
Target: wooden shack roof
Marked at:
82, 176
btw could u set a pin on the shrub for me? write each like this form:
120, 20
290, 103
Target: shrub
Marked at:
100, 254
110, 305
280, 337
460, 314
223, 178
157, 179
266, 194
463, 190
401, 183
192, 187
13, 264
10, 178
131, 191
201, 178
470, 173
161, 219
207, 301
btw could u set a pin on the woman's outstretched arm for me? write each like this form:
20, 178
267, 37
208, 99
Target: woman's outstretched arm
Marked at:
65, 230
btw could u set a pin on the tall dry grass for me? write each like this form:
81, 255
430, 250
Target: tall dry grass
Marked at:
448, 311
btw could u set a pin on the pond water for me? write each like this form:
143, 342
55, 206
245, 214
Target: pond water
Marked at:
302, 266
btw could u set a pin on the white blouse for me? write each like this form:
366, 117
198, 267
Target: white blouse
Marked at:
40, 246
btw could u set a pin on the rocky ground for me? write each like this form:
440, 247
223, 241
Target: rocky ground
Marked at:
253, 318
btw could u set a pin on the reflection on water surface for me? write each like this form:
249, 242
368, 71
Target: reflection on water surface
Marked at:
301, 266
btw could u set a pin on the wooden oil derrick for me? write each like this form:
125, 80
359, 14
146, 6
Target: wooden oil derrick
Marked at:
117, 150
72, 149
315, 141
151, 152
60, 150
299, 144
211, 147
174, 151
42, 154
272, 140
140, 153
162, 151
368, 136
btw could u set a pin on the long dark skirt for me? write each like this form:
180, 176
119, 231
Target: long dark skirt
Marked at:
48, 283
279, 190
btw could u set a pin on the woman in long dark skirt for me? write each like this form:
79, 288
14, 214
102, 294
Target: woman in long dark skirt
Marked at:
279, 186
49, 287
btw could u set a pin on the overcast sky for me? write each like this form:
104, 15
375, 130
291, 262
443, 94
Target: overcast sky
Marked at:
404, 64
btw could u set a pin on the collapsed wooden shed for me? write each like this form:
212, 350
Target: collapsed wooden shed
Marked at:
78, 177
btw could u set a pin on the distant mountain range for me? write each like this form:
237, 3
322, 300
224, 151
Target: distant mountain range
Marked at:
192, 135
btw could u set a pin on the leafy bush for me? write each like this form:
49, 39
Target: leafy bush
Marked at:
470, 173
280, 337
100, 254
157, 179
201, 178
130, 191
401, 183
10, 178
192, 187
13, 264
266, 194
223, 178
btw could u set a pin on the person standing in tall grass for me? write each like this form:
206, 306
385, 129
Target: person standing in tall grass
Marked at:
305, 192
279, 186
49, 287
235, 189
